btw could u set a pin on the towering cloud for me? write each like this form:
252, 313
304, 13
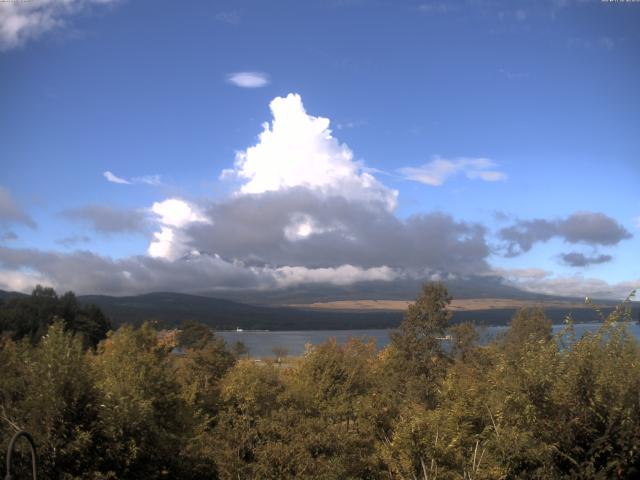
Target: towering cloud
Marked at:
299, 150
303, 212
173, 215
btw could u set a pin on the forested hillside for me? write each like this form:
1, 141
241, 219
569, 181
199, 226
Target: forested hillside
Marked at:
168, 310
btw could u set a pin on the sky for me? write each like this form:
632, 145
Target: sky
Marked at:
210, 145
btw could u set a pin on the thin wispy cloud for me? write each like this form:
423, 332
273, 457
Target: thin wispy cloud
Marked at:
11, 212
73, 240
439, 170
153, 180
600, 43
606, 42
231, 17
8, 236
22, 21
107, 220
114, 178
248, 79
350, 124
436, 8
510, 75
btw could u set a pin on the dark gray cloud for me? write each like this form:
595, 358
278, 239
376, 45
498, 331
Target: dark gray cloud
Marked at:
291, 237
11, 213
104, 219
521, 236
87, 272
298, 227
591, 228
273, 240
576, 259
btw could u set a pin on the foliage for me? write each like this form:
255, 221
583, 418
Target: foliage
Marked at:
526, 405
416, 360
49, 391
239, 349
194, 335
30, 317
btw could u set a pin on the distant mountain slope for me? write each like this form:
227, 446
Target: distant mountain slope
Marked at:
171, 309
6, 295
475, 287
457, 305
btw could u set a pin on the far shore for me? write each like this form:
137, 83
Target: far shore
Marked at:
461, 305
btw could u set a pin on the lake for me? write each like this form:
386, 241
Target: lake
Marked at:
261, 343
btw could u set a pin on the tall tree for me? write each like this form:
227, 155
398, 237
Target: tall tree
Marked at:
416, 354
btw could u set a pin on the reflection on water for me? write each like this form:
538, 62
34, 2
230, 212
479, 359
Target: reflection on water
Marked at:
261, 343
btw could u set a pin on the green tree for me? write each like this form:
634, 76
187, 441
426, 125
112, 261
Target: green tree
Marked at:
528, 325
464, 341
416, 359
194, 335
200, 372
250, 394
30, 317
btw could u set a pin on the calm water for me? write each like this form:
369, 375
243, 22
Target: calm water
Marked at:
261, 343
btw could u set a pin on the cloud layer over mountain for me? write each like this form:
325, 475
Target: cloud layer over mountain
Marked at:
303, 212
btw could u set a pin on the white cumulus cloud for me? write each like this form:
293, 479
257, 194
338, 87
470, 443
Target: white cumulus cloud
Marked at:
299, 150
24, 20
303, 226
173, 215
248, 79
439, 170
342, 275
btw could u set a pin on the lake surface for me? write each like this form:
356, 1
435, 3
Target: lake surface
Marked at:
261, 343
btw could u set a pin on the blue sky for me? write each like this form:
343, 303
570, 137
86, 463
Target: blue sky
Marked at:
531, 108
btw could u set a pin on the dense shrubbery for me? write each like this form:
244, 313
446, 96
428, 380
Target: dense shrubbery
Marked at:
528, 405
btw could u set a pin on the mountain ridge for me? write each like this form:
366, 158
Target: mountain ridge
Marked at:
170, 309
